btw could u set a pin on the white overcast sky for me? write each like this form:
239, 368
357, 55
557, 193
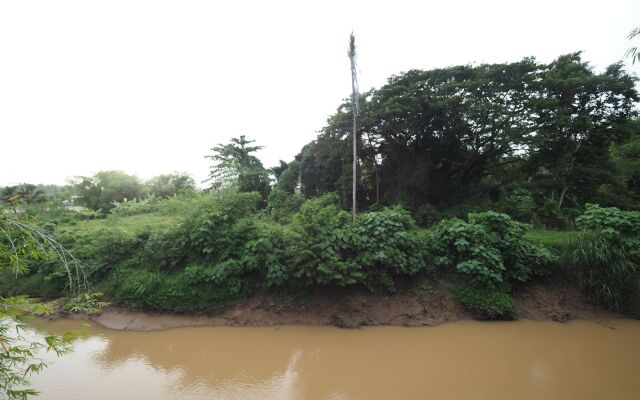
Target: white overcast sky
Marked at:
148, 87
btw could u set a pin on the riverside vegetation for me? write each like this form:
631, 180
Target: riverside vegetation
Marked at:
456, 168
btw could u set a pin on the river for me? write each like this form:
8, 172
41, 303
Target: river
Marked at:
460, 360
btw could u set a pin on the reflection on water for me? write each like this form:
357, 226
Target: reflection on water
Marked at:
463, 360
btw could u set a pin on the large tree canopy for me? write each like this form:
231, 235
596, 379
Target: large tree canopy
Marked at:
446, 135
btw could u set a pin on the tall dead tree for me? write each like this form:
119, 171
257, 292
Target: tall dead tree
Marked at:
354, 111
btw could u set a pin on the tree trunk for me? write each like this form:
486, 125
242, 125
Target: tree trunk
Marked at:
354, 111
569, 169
564, 190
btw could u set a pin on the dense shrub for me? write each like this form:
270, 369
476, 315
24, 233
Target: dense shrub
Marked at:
285, 198
228, 249
184, 204
605, 272
489, 252
550, 216
213, 232
606, 257
282, 205
484, 303
270, 252
427, 215
167, 248
519, 204
186, 291
45, 279
102, 249
491, 249
377, 248
621, 228
198, 252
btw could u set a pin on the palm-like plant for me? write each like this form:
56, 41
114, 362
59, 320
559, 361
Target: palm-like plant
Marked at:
633, 51
21, 241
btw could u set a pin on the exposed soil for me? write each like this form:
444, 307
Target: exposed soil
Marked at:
544, 301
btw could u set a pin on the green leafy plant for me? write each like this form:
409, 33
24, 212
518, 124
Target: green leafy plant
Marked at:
18, 349
483, 302
489, 253
21, 242
87, 302
372, 252
606, 257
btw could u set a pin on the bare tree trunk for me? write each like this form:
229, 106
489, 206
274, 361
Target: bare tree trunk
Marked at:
377, 186
564, 191
375, 170
569, 169
354, 112
355, 164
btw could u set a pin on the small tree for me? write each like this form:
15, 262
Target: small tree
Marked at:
236, 167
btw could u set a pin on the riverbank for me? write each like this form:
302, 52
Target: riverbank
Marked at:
427, 307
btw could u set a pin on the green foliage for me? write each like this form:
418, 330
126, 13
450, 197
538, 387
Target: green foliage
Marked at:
549, 215
105, 188
270, 252
87, 302
377, 248
617, 226
214, 232
18, 351
606, 257
181, 205
284, 200
225, 251
633, 52
282, 205
484, 303
626, 156
489, 252
518, 204
427, 215
137, 206
167, 248
605, 272
20, 243
445, 136
557, 241
235, 167
188, 291
44, 279
579, 115
26, 192
23, 243
170, 185
490, 248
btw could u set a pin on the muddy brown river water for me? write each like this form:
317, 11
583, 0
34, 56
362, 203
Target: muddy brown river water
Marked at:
462, 360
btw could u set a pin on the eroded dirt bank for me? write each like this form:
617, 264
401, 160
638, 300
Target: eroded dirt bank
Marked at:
548, 301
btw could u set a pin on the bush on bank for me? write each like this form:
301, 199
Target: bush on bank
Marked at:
200, 252
605, 257
486, 256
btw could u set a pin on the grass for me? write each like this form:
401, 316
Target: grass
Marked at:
554, 240
128, 224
